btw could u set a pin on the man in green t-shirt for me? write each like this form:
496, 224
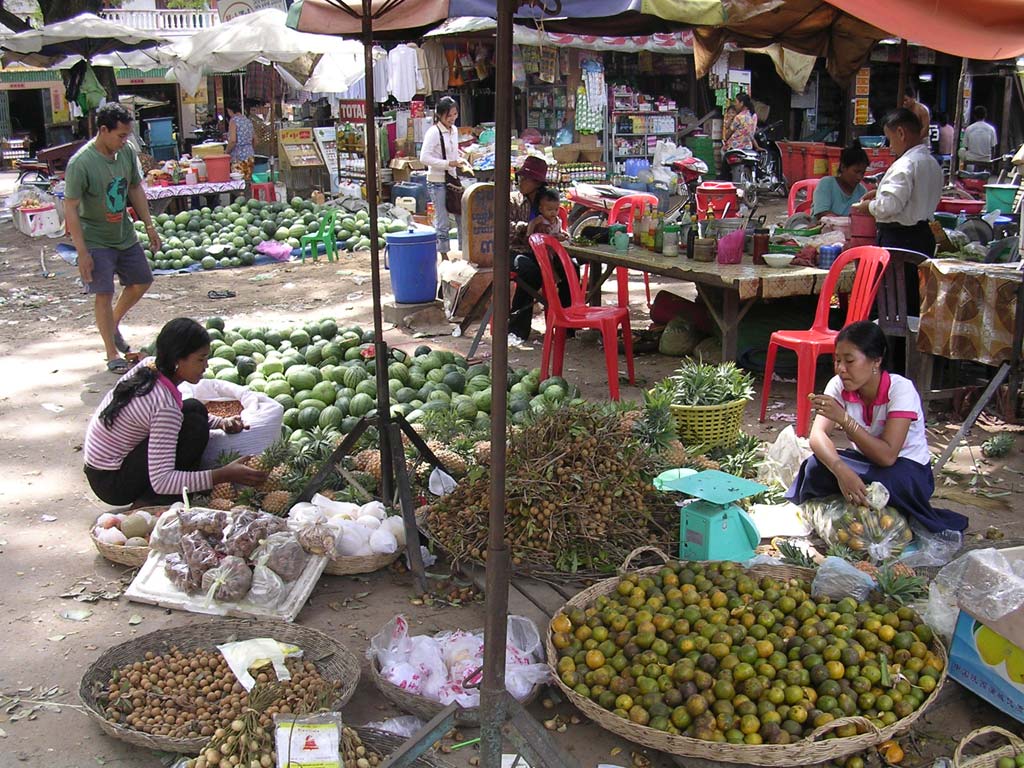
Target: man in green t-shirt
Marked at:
102, 179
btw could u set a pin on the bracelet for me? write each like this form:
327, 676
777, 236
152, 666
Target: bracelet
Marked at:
150, 226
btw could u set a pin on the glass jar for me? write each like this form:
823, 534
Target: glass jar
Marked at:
760, 246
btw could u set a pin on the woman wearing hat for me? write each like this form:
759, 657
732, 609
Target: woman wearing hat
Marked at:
531, 181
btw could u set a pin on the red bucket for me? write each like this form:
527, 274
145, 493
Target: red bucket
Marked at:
719, 194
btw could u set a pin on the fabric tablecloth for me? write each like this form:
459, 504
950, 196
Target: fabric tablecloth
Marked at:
186, 190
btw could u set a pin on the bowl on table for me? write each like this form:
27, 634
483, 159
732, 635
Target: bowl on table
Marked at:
778, 259
235, 176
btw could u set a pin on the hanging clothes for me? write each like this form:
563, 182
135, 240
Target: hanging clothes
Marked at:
423, 71
403, 73
451, 54
436, 73
381, 74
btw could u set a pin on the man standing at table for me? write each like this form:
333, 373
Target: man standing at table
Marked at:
908, 194
101, 180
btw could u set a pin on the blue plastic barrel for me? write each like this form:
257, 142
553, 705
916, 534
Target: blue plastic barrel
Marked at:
412, 259
407, 189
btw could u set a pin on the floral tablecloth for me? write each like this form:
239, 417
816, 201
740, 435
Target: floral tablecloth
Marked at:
187, 190
968, 310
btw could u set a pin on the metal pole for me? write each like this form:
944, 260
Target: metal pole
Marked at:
492, 689
379, 347
958, 119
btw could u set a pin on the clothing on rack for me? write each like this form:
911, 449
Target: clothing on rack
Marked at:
593, 79
435, 71
381, 75
404, 79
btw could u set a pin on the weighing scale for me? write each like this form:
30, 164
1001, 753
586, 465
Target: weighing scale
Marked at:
712, 527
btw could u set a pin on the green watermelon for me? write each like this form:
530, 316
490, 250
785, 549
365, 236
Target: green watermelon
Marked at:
309, 417
360, 405
330, 417
325, 391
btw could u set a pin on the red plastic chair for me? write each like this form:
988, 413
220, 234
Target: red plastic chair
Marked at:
578, 315
871, 262
807, 186
622, 213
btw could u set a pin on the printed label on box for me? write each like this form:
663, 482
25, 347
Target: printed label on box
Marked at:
988, 664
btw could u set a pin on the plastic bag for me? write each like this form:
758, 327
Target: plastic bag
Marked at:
308, 740
396, 525
986, 581
392, 643
880, 533
374, 509
335, 509
211, 522
267, 587
383, 542
941, 611
785, 519
836, 578
934, 549
179, 574
248, 529
166, 536
284, 555
679, 338
353, 541
198, 555
318, 539
229, 582
783, 458
261, 414
405, 726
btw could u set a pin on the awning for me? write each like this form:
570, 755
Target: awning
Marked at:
979, 29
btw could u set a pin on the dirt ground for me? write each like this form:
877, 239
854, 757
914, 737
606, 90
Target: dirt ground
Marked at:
52, 378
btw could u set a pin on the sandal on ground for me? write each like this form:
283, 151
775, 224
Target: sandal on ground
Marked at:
119, 366
120, 343
221, 294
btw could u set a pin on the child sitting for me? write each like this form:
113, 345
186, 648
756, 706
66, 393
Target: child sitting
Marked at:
547, 221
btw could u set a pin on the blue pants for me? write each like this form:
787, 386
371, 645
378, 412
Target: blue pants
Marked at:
910, 487
441, 221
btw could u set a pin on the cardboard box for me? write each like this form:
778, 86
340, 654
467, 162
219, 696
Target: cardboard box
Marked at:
986, 663
979, 572
402, 168
463, 298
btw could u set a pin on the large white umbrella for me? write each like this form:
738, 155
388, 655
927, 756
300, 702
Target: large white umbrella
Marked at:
85, 35
262, 37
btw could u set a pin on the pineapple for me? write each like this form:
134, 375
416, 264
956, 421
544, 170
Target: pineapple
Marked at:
997, 446
224, 492
369, 461
453, 462
675, 454
277, 503
482, 452
275, 479
224, 505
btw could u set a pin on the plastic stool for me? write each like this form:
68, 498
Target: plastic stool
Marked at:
264, 192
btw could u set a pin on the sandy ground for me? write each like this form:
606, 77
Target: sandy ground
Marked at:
52, 378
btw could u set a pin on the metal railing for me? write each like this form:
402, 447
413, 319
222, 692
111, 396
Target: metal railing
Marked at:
167, 22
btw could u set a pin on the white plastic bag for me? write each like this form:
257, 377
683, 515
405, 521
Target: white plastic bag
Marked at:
354, 540
373, 509
425, 657
783, 458
383, 542
261, 414
332, 509
933, 549
837, 579
396, 525
785, 519
166, 534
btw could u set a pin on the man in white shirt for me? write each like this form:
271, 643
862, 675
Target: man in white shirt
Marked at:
980, 138
906, 198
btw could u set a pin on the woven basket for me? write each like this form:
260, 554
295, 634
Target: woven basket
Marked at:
567, 153
987, 759
133, 557
709, 426
591, 155
332, 660
807, 751
347, 566
385, 744
425, 708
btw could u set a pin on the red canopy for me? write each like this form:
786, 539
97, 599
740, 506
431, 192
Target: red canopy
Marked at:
979, 29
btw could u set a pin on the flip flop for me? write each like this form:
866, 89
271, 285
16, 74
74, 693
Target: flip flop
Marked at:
120, 343
221, 294
119, 365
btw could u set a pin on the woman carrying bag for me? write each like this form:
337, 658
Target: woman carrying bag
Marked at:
440, 153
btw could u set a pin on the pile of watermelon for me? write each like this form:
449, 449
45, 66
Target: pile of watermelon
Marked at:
227, 236
324, 376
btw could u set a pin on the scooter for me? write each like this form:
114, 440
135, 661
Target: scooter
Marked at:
593, 202
756, 171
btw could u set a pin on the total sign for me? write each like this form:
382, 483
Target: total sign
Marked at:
229, 9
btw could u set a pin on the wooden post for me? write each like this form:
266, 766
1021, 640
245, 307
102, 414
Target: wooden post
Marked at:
1004, 130
958, 120
901, 86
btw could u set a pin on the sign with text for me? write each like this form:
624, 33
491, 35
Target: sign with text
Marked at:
229, 9
295, 135
478, 224
352, 109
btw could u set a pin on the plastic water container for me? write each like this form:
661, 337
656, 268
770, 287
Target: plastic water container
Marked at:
719, 194
408, 203
412, 259
408, 189
827, 255
161, 130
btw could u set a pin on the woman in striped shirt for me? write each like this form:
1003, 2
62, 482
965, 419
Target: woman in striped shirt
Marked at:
144, 442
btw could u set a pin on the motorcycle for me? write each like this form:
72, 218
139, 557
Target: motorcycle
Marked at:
759, 170
593, 202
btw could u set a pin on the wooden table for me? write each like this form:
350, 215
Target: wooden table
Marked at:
728, 290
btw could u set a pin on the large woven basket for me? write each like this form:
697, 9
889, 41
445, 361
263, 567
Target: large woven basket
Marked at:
332, 659
385, 744
709, 426
120, 554
808, 751
425, 708
987, 759
347, 566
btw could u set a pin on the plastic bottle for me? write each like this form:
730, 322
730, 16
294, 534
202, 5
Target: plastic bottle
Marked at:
691, 232
645, 228
659, 234
637, 224
670, 244
652, 231
961, 218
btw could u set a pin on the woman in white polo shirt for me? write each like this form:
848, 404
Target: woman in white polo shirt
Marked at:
881, 414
